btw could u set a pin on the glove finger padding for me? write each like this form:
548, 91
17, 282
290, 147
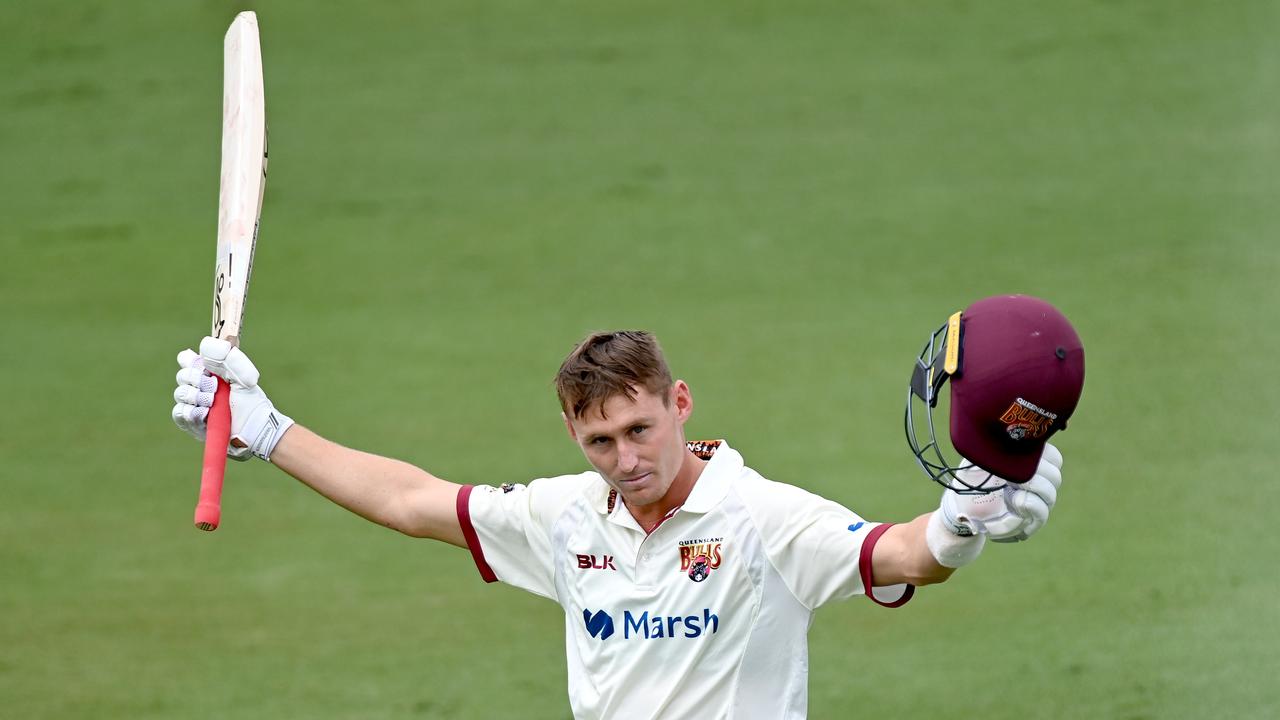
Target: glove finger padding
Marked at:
1050, 472
228, 362
1043, 488
1029, 530
190, 419
1004, 526
1051, 455
196, 377
1028, 506
1032, 509
189, 395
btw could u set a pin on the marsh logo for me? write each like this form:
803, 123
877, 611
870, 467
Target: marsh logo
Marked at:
599, 625
651, 626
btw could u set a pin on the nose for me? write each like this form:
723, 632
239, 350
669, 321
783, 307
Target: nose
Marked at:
628, 460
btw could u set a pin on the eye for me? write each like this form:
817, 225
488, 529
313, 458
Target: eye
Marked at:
599, 441
638, 429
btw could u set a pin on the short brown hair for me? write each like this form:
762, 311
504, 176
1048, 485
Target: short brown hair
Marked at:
608, 364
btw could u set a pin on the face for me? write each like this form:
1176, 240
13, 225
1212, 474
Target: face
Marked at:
639, 447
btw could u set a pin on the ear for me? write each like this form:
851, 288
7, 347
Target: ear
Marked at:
569, 426
682, 399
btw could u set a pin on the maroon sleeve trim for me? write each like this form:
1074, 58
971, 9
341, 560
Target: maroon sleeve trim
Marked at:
864, 569
469, 532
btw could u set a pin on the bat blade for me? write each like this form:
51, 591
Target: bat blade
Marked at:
244, 173
243, 180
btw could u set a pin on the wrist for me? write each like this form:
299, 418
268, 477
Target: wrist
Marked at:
952, 518
950, 548
273, 428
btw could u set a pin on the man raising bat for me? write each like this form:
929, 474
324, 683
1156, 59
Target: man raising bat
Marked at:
688, 580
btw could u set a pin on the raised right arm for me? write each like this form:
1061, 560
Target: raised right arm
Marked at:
380, 489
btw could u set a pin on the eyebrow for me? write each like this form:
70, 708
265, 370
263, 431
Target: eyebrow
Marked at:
645, 421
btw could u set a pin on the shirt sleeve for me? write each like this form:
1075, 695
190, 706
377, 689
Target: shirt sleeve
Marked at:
508, 530
821, 549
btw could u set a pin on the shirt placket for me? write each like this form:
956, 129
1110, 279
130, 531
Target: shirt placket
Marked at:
652, 555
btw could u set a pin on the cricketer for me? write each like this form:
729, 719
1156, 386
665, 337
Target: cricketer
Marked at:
688, 581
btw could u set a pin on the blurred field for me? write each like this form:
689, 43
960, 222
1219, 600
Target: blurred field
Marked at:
791, 195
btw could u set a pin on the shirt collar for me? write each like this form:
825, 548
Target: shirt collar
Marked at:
599, 495
711, 487
713, 484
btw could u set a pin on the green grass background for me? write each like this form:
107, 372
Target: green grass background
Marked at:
792, 195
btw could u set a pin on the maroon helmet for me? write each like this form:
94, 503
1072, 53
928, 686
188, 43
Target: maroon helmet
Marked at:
1016, 368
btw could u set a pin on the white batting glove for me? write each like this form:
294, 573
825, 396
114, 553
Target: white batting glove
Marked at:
1012, 513
256, 425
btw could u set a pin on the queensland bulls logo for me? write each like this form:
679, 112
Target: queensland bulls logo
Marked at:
700, 568
698, 557
1026, 420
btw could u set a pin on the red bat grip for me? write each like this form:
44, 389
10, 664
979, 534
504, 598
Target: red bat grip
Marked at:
209, 507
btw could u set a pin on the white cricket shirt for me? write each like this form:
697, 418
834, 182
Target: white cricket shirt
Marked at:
705, 617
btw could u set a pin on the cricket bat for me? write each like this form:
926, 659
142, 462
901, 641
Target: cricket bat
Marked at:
244, 177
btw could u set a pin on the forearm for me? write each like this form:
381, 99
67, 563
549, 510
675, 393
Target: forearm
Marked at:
383, 490
902, 556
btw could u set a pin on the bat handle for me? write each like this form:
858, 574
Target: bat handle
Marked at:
218, 434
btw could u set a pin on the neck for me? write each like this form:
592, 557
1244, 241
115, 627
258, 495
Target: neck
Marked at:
651, 516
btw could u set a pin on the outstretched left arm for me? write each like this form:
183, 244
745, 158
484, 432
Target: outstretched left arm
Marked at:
928, 549
902, 556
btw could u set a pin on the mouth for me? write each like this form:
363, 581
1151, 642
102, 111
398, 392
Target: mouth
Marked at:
636, 479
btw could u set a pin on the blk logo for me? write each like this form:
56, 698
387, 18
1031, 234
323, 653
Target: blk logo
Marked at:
599, 625
589, 562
